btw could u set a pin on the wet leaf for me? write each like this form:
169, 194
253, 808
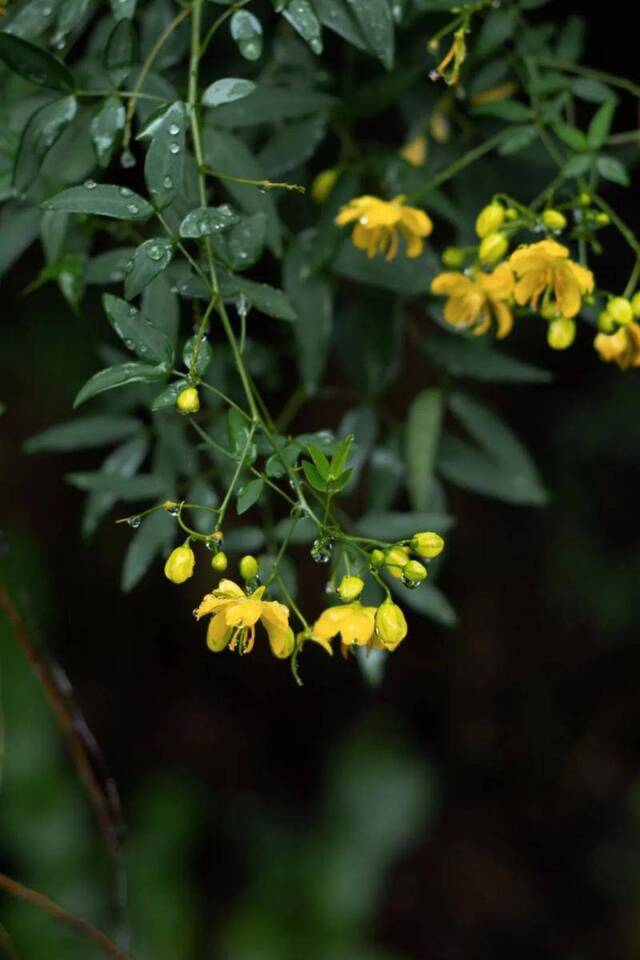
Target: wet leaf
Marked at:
150, 258
42, 130
164, 163
226, 91
106, 127
120, 52
101, 199
35, 64
246, 30
137, 332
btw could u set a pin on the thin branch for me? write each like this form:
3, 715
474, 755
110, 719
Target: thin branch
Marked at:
36, 899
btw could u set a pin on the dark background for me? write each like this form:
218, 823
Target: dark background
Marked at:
514, 738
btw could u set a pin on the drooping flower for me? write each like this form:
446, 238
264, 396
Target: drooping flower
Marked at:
391, 626
475, 301
353, 622
545, 268
378, 224
449, 66
234, 618
621, 347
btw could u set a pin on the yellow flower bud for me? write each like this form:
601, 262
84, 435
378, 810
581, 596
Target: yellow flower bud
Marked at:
415, 571
606, 323
377, 558
415, 151
180, 564
350, 588
635, 305
287, 646
248, 568
549, 311
391, 626
489, 219
493, 248
188, 401
510, 214
620, 311
561, 333
427, 545
396, 560
453, 257
584, 199
323, 184
554, 220
219, 562
603, 219
170, 505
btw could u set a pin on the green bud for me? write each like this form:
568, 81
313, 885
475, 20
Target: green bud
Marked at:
415, 571
249, 568
219, 562
453, 257
427, 545
350, 588
620, 310
554, 220
561, 333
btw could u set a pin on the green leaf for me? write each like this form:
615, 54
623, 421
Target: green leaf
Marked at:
164, 163
393, 526
341, 456
101, 199
374, 19
41, 131
108, 267
471, 357
106, 127
120, 51
424, 422
498, 466
313, 477
150, 541
576, 166
573, 137
123, 8
246, 30
227, 154
204, 358
408, 277
119, 376
516, 139
35, 64
302, 17
320, 460
246, 240
150, 258
124, 461
166, 399
591, 90
142, 486
339, 484
226, 91
511, 110
137, 332
313, 303
84, 433
263, 297
205, 221
335, 15
611, 169
428, 600
249, 494
292, 145
271, 103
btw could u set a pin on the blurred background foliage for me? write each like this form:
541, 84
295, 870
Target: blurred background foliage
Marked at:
483, 801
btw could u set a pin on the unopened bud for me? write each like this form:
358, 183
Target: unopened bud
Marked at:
415, 571
493, 248
554, 220
248, 568
219, 562
376, 558
188, 401
350, 588
323, 184
180, 564
620, 310
561, 333
391, 626
489, 219
606, 323
427, 545
453, 257
396, 560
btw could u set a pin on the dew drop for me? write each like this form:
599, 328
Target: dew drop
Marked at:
155, 253
434, 75
134, 522
90, 184
125, 192
127, 159
132, 208
174, 129
174, 148
262, 190
167, 183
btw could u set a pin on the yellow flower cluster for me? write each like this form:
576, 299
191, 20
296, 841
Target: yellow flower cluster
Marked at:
619, 339
378, 628
379, 223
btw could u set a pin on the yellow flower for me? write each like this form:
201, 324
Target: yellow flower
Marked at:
377, 223
475, 301
415, 151
449, 66
622, 347
180, 564
545, 268
353, 622
234, 617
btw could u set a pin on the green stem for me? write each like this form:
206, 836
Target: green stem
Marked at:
618, 223
615, 81
227, 497
218, 23
263, 184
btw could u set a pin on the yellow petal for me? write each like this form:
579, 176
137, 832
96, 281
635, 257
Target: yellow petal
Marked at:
530, 287
211, 604
228, 588
450, 284
567, 292
245, 613
499, 284
329, 623
504, 319
416, 221
584, 277
218, 633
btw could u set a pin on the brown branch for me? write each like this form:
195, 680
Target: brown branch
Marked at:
80, 743
58, 913
6, 945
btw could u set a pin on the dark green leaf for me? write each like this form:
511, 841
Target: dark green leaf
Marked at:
573, 137
142, 486
611, 169
151, 541
408, 277
42, 130
137, 332
313, 476
511, 110
292, 144
226, 91
120, 52
245, 241
124, 461
119, 376
427, 600
264, 298
517, 138
470, 357
108, 267
164, 163
87, 432
205, 221
101, 199
249, 494
123, 8
335, 15
592, 90
106, 127
270, 104
302, 17
576, 166
199, 363
34, 63
166, 400
374, 20
320, 460
150, 258
246, 30
424, 422
312, 301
